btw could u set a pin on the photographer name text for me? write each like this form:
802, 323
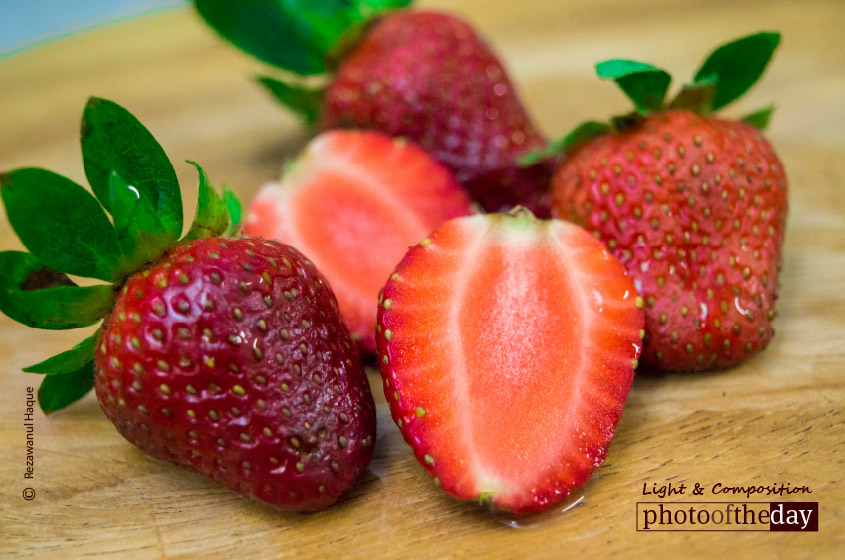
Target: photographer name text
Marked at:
29, 427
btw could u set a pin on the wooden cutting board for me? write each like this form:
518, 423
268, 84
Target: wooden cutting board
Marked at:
776, 419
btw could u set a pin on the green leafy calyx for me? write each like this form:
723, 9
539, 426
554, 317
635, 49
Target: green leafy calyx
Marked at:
303, 38
725, 75
133, 217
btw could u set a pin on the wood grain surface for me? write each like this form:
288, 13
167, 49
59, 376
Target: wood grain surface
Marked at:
777, 418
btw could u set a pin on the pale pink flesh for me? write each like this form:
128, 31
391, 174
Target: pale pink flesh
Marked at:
353, 203
518, 342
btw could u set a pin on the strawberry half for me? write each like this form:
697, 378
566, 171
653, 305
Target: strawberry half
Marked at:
693, 205
225, 357
507, 347
354, 202
424, 76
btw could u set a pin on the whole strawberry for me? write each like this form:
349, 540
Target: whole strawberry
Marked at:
693, 205
224, 356
421, 75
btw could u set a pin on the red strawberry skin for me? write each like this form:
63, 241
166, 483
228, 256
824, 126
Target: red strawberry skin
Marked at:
507, 347
695, 208
354, 201
430, 78
228, 358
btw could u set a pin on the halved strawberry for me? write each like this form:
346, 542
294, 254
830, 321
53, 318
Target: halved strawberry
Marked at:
507, 347
354, 202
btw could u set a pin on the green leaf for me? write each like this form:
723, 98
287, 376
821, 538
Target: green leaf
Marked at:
58, 391
233, 206
619, 68
301, 99
382, 5
627, 121
583, 133
580, 135
760, 119
737, 65
114, 140
69, 361
60, 223
60, 307
291, 34
696, 97
212, 217
532, 158
141, 236
123, 201
643, 83
64, 307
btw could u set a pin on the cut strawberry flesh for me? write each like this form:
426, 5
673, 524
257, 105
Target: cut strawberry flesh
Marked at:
508, 347
354, 202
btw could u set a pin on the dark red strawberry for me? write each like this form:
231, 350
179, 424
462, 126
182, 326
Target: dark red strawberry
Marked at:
507, 347
227, 357
425, 76
693, 205
354, 202
428, 77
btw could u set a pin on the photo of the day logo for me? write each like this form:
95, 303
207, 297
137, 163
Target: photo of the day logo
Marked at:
728, 516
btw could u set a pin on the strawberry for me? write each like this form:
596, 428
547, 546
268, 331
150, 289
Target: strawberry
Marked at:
421, 75
355, 201
693, 205
227, 357
507, 346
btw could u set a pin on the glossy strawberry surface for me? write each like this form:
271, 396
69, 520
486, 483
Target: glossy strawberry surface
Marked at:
429, 77
507, 347
229, 358
695, 207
